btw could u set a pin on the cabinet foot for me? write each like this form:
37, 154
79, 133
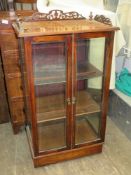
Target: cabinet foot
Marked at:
16, 129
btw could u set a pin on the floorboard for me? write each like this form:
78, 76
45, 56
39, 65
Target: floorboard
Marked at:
114, 160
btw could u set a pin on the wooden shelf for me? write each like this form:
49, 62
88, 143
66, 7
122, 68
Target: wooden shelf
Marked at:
51, 108
56, 74
50, 74
84, 132
53, 136
54, 108
85, 71
85, 104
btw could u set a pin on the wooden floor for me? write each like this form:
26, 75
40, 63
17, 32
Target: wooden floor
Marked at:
15, 158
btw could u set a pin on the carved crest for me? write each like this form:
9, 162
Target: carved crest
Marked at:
55, 15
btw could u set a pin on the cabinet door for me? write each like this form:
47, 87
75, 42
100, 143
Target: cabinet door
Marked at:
50, 82
90, 81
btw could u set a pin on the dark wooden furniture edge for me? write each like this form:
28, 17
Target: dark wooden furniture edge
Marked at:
62, 155
67, 155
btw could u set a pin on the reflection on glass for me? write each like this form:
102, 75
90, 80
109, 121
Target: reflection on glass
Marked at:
90, 62
49, 65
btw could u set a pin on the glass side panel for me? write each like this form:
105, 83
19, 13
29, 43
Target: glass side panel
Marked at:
49, 66
90, 63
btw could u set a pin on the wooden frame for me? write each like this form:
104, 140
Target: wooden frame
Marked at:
68, 33
28, 61
71, 92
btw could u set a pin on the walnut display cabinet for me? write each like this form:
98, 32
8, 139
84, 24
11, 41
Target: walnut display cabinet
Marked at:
66, 74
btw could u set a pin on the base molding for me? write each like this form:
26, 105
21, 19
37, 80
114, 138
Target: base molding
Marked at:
67, 155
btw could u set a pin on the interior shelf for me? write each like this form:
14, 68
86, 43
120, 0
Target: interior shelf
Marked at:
84, 132
50, 74
53, 107
85, 71
56, 74
53, 135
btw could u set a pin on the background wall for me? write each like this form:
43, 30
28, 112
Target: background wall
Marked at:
123, 11
124, 15
111, 5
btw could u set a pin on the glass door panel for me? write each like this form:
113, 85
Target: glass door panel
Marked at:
90, 63
49, 68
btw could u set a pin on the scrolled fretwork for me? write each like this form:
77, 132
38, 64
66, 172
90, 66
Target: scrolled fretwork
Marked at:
102, 19
55, 15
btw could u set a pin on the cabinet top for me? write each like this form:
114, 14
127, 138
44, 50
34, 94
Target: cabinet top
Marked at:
69, 23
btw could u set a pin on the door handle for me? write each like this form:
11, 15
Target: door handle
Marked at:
68, 100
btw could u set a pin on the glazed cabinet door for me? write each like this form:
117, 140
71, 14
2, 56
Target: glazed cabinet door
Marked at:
90, 87
48, 61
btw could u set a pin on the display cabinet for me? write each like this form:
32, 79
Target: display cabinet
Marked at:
66, 73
